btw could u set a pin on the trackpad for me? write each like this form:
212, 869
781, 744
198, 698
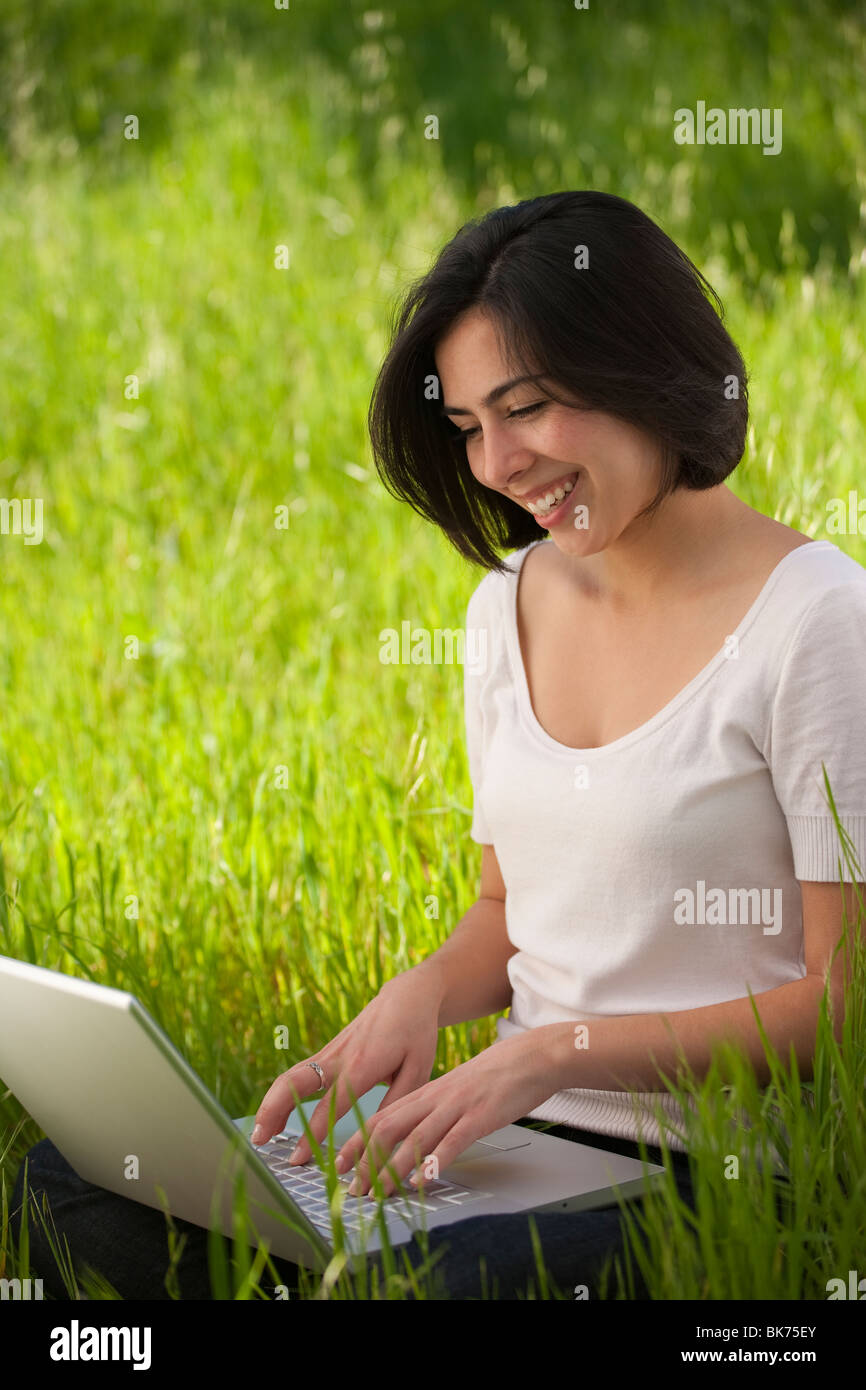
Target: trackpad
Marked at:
500, 1140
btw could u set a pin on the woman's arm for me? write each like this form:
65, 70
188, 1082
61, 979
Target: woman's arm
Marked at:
440, 1120
612, 1053
468, 970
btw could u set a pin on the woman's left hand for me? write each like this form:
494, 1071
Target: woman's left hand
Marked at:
439, 1120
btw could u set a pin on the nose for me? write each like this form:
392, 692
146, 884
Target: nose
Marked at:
502, 460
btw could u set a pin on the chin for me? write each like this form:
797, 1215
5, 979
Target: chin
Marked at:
572, 542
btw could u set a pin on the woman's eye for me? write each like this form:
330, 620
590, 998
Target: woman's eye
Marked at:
524, 410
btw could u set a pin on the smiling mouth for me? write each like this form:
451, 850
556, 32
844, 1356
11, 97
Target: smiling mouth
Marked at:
546, 503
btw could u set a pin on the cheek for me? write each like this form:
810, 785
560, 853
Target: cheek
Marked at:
575, 438
615, 453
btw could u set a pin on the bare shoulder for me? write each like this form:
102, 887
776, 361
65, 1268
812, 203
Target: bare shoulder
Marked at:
538, 573
771, 541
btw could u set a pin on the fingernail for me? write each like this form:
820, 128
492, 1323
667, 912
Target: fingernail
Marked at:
295, 1158
257, 1135
355, 1188
340, 1163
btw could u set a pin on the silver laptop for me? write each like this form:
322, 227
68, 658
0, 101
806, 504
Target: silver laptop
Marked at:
128, 1113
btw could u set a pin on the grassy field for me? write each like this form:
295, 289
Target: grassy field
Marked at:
150, 783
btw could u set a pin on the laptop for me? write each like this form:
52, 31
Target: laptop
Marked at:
126, 1110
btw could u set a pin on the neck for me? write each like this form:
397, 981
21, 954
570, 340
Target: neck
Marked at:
682, 547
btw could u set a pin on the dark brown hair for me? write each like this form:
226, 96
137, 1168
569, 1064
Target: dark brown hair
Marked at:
634, 335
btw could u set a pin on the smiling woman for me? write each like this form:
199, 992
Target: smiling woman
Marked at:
631, 333
668, 678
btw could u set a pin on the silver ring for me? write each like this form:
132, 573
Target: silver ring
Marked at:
321, 1075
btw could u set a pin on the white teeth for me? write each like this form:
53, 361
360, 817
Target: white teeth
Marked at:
551, 499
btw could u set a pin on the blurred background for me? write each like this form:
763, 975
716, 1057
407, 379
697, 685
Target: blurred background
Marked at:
212, 792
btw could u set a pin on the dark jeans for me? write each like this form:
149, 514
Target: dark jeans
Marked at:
128, 1242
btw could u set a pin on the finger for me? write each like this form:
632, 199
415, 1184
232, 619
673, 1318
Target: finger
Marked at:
354, 1146
412, 1154
284, 1094
376, 1160
384, 1133
422, 1148
318, 1122
320, 1118
443, 1152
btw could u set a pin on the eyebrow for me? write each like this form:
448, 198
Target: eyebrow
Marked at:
493, 395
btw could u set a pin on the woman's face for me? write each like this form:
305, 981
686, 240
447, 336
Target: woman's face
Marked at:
529, 447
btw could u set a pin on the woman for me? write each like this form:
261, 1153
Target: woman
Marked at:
665, 671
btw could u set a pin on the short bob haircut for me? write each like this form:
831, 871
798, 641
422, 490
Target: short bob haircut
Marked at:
633, 334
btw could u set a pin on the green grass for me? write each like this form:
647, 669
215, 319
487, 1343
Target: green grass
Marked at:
152, 785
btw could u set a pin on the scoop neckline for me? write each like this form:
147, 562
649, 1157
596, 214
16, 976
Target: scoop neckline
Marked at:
668, 710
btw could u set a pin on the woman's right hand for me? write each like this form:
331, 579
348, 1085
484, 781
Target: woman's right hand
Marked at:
393, 1040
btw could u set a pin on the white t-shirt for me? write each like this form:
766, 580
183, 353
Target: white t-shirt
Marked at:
630, 870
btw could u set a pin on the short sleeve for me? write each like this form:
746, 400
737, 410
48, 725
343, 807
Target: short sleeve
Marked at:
476, 670
819, 715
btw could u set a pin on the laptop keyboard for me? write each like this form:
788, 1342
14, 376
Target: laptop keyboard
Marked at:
307, 1186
